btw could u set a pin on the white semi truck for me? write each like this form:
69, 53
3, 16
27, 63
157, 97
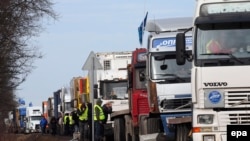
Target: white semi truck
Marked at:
112, 79
169, 85
220, 80
110, 82
33, 117
66, 100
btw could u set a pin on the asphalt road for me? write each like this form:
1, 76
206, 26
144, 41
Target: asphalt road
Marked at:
34, 137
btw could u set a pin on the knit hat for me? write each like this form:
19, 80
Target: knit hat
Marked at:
99, 101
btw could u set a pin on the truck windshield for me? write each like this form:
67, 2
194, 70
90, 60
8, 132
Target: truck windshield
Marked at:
114, 90
164, 67
119, 92
68, 106
226, 45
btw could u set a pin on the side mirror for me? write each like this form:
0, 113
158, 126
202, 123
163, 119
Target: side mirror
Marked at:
180, 49
130, 79
142, 76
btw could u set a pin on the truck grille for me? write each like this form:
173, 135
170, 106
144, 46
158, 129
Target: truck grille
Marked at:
143, 105
37, 126
237, 99
239, 118
225, 118
176, 103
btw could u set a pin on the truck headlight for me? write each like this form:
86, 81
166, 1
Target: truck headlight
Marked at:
208, 138
205, 119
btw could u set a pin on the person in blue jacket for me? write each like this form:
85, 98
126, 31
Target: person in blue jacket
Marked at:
43, 124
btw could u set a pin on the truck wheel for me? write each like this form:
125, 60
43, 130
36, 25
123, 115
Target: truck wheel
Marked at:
182, 131
119, 129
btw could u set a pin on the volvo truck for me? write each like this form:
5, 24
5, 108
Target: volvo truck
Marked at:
220, 84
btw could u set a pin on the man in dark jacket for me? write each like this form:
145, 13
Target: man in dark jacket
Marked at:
107, 109
76, 121
53, 125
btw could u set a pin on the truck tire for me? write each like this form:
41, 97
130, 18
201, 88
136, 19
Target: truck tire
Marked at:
119, 129
182, 131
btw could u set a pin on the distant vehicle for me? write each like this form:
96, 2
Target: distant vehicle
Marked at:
32, 120
110, 81
17, 120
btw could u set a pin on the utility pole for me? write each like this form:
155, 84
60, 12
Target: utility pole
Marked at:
92, 64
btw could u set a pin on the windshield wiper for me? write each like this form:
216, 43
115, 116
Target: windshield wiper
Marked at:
228, 54
183, 106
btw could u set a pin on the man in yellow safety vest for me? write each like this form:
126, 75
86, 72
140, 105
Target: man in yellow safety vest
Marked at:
83, 121
71, 124
98, 120
66, 124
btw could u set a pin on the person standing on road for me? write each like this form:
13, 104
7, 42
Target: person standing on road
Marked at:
71, 124
43, 124
66, 124
53, 125
98, 121
76, 120
60, 123
83, 121
107, 109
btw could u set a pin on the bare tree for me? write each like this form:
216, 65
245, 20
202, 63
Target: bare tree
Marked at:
19, 21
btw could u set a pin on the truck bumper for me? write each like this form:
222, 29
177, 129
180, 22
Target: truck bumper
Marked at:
170, 120
153, 137
210, 136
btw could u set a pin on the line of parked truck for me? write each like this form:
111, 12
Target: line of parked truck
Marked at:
143, 86
174, 89
24, 119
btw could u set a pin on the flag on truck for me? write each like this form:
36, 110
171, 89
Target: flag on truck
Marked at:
21, 101
141, 28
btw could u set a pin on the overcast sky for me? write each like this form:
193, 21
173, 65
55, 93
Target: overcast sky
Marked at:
85, 26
